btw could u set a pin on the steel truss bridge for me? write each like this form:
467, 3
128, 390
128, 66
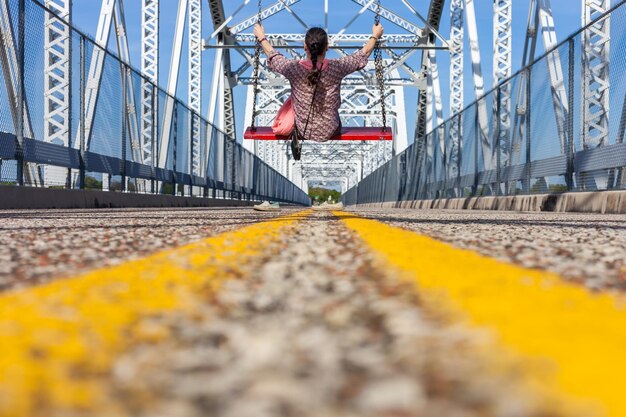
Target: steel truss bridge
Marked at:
164, 139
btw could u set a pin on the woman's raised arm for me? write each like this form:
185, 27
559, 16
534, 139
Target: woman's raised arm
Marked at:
377, 33
275, 60
259, 32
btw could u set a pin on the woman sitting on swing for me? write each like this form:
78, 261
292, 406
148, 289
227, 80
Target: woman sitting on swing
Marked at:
316, 83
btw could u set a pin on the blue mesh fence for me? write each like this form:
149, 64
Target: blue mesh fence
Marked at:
89, 115
555, 126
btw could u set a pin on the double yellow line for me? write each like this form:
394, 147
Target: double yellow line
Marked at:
568, 340
58, 341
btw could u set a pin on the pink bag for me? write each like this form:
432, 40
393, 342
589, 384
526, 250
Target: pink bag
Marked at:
285, 119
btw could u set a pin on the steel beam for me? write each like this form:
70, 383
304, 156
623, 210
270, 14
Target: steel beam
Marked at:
479, 84
57, 85
596, 54
218, 18
298, 38
596, 42
150, 70
172, 83
249, 22
392, 17
456, 78
502, 56
124, 53
195, 83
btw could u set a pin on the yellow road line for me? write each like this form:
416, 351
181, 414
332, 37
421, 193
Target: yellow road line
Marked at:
58, 340
573, 341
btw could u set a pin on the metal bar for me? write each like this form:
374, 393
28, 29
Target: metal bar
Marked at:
19, 131
351, 21
265, 13
479, 82
528, 131
228, 19
326, 15
430, 27
476, 139
154, 134
172, 83
459, 155
70, 107
81, 123
569, 177
496, 133
295, 15
620, 180
174, 150
392, 17
98, 56
251, 47
124, 73
298, 38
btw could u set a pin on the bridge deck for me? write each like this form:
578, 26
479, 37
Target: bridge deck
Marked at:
230, 312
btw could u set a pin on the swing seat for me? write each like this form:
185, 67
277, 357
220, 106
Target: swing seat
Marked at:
347, 133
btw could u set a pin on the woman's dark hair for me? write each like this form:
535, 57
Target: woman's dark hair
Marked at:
316, 41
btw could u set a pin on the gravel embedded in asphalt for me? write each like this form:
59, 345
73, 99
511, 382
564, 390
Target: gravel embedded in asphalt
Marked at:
589, 249
38, 245
315, 329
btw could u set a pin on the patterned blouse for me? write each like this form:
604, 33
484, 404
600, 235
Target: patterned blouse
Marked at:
324, 120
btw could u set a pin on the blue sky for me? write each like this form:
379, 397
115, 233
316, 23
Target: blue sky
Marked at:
566, 14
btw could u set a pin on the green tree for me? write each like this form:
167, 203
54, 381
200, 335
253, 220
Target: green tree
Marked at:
92, 184
319, 194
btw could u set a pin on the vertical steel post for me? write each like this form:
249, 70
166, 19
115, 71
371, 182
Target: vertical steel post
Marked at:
174, 157
124, 123
432, 166
154, 131
496, 133
528, 126
569, 176
81, 123
19, 130
70, 107
459, 154
476, 138
191, 138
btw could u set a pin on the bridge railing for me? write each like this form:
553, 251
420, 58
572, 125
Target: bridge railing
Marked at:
565, 131
91, 121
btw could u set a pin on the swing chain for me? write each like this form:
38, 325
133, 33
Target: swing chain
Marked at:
378, 63
255, 74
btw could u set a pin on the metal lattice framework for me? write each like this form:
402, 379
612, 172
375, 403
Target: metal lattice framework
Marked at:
231, 41
360, 99
150, 69
456, 76
596, 48
195, 80
57, 72
502, 54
